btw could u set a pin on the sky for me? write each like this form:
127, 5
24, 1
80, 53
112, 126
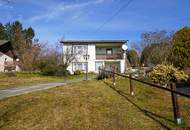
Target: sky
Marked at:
53, 20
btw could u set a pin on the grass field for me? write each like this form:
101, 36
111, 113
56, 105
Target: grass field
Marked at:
19, 79
92, 105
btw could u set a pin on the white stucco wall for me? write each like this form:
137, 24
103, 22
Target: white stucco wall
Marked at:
2, 59
92, 58
122, 66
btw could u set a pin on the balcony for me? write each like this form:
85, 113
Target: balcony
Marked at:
109, 57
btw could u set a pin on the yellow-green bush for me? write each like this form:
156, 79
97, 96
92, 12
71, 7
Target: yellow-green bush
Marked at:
78, 72
162, 74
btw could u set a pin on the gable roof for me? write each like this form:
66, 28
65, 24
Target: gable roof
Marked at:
7, 49
93, 41
2, 42
2, 54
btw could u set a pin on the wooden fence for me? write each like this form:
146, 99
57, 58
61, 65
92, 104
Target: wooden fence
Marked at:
171, 89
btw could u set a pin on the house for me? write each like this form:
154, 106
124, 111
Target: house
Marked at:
7, 57
101, 53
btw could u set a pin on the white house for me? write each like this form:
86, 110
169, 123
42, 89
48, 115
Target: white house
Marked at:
7, 57
101, 53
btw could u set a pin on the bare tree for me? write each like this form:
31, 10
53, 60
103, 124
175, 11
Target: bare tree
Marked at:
69, 56
31, 56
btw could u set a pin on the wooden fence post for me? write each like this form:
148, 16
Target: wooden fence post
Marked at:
131, 85
175, 104
113, 74
105, 74
98, 71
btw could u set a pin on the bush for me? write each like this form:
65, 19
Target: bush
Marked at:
11, 74
49, 70
78, 72
103, 75
162, 74
50, 67
61, 71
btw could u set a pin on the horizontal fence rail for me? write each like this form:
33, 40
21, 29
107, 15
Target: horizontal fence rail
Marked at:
148, 83
172, 89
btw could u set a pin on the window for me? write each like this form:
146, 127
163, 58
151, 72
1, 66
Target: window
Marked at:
98, 64
109, 51
80, 49
79, 66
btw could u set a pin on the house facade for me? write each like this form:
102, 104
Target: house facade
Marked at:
7, 57
100, 53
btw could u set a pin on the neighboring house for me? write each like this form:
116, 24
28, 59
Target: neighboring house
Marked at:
102, 53
7, 57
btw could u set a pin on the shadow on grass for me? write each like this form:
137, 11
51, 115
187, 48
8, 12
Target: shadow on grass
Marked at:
146, 112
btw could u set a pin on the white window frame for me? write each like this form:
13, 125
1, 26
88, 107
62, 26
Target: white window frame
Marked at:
80, 49
79, 66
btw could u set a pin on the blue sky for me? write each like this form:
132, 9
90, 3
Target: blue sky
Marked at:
80, 19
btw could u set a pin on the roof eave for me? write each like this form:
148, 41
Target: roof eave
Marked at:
93, 41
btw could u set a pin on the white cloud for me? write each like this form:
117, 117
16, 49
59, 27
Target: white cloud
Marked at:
6, 4
62, 8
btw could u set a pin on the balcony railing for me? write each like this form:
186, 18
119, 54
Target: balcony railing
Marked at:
107, 57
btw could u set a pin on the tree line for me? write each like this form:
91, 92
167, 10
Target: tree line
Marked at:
26, 48
161, 47
33, 55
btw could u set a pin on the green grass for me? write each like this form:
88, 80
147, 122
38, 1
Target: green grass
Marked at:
21, 78
91, 105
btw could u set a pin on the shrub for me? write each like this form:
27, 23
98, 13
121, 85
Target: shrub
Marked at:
49, 70
61, 71
50, 67
78, 72
11, 74
103, 75
162, 74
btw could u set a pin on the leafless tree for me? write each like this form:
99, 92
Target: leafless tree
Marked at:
69, 56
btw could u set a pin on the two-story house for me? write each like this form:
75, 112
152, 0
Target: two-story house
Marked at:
101, 53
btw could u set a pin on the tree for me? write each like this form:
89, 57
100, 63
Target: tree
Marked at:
155, 37
156, 47
3, 35
22, 40
133, 58
29, 35
155, 54
31, 57
181, 48
69, 57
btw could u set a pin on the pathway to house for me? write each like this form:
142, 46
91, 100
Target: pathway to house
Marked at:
26, 89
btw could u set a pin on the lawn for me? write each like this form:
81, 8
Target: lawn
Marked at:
9, 80
92, 105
